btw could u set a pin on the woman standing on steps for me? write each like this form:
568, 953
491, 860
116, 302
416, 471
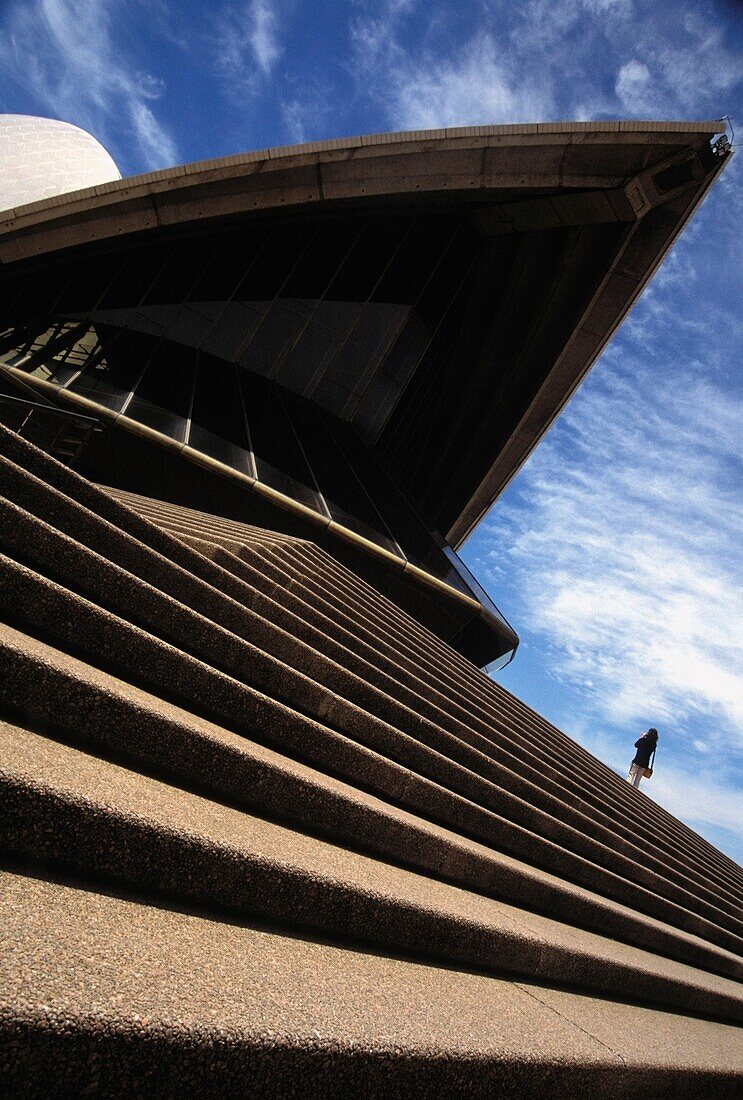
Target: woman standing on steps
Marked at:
640, 766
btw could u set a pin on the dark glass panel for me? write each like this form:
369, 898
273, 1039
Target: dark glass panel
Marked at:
184, 323
284, 248
75, 356
285, 332
235, 252
414, 538
321, 260
29, 340
10, 340
11, 288
282, 324
330, 324
110, 378
232, 330
189, 261
428, 323
415, 260
38, 296
375, 329
163, 396
279, 460
217, 418
446, 279
53, 353
93, 277
344, 495
406, 350
366, 262
139, 271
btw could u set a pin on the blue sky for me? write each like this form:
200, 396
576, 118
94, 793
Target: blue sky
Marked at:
617, 550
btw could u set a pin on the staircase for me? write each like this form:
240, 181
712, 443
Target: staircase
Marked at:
60, 433
265, 835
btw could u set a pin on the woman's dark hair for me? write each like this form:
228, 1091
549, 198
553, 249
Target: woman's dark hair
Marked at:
653, 731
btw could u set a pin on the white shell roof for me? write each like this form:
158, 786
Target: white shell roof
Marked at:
42, 157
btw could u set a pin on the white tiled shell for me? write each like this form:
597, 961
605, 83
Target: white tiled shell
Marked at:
42, 157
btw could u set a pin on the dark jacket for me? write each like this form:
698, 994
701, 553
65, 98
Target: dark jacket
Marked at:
645, 748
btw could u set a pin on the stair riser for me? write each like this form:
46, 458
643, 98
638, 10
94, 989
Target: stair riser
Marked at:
111, 643
120, 548
93, 840
202, 639
111, 723
60, 1056
486, 733
70, 482
525, 731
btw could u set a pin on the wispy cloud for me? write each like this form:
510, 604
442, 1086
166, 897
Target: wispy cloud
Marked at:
538, 60
634, 87
422, 90
247, 45
70, 55
628, 528
477, 86
621, 543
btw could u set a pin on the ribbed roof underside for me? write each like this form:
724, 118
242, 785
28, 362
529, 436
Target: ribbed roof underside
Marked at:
584, 211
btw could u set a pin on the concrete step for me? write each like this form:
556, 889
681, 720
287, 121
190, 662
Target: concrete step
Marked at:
161, 1001
623, 800
79, 484
84, 483
67, 808
122, 515
527, 729
453, 797
85, 707
565, 777
224, 785
118, 547
476, 680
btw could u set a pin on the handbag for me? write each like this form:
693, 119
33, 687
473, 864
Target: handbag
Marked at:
649, 771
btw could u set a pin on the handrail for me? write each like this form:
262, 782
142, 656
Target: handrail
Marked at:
16, 378
7, 397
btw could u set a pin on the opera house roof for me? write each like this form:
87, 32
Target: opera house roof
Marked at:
43, 157
538, 239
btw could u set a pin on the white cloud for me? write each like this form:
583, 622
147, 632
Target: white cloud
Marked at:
477, 84
541, 59
247, 45
621, 541
629, 531
474, 88
675, 70
263, 38
634, 87
614, 7
68, 54
156, 144
699, 61
698, 797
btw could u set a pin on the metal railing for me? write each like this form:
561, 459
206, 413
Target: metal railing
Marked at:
60, 432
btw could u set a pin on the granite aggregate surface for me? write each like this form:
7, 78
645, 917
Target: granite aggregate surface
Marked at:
108, 819
263, 1012
115, 715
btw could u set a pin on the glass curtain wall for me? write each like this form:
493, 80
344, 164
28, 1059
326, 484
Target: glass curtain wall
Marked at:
277, 350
